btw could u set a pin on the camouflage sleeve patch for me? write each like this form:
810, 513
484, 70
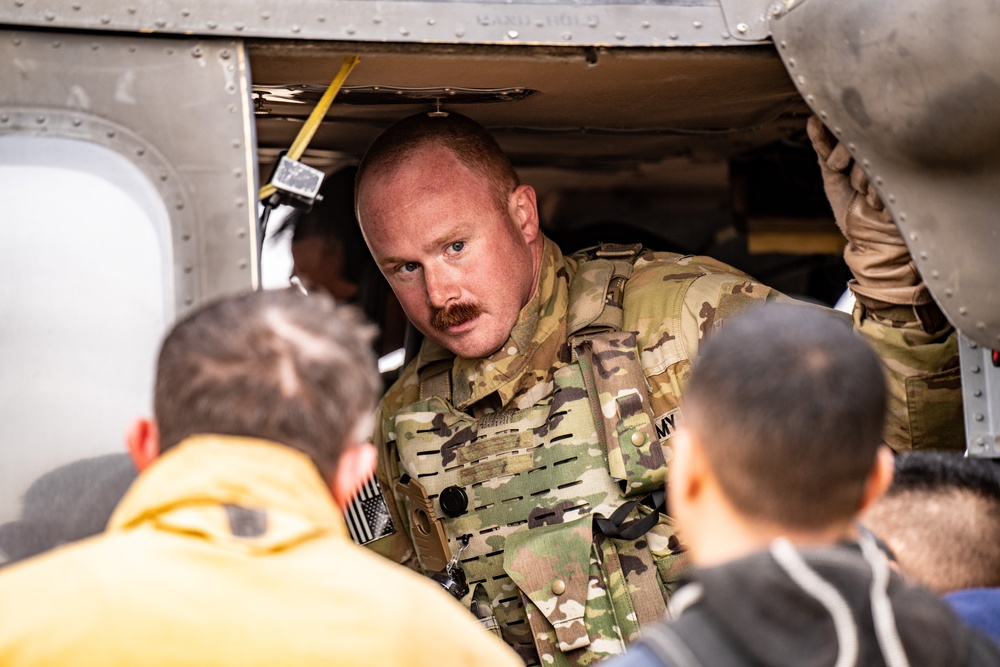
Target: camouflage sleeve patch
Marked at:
712, 299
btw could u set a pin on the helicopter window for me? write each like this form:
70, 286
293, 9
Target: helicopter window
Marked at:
78, 340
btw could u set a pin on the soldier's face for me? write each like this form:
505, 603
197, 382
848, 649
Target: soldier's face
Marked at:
461, 267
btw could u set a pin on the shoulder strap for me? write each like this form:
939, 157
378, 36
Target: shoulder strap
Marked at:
597, 292
612, 373
435, 379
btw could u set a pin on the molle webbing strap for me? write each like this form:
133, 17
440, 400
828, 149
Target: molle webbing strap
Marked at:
621, 257
435, 380
615, 382
618, 393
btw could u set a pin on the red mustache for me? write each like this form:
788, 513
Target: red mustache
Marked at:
443, 318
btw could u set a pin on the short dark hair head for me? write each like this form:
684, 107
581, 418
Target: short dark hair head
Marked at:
941, 518
277, 365
789, 405
333, 212
471, 143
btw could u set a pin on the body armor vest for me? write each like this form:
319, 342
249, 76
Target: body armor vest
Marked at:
524, 499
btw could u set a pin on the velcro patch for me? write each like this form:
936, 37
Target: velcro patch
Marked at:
667, 424
500, 444
367, 515
493, 468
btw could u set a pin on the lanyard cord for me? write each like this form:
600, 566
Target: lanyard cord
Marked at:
315, 118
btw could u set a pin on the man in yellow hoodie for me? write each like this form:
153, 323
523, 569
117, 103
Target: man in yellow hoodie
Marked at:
230, 547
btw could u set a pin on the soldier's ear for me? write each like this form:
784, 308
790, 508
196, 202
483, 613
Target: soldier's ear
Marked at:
143, 442
685, 473
523, 210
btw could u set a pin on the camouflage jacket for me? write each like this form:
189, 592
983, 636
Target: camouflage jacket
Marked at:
516, 431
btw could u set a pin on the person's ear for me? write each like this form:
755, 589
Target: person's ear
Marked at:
879, 478
523, 210
356, 465
685, 473
143, 442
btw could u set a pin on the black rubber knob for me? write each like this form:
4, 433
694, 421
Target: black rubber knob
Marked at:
454, 501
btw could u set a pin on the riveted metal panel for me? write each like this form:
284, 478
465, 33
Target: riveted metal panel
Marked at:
179, 109
749, 20
913, 89
981, 393
549, 22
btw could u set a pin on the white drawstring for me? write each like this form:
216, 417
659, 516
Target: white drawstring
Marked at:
882, 614
684, 597
823, 591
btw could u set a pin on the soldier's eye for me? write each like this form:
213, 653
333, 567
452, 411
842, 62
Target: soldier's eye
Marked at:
409, 267
457, 246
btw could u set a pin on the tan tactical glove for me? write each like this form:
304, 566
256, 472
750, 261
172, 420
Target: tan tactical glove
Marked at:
883, 269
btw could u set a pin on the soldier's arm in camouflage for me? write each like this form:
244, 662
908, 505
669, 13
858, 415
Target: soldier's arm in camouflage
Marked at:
917, 345
674, 303
895, 310
919, 350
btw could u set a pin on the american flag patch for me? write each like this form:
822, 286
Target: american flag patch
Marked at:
367, 514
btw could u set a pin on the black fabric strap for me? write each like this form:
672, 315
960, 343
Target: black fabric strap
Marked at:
615, 526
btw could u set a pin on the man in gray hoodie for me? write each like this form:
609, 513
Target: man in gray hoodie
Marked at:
780, 450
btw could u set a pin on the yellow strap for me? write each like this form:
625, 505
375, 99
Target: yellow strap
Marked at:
315, 118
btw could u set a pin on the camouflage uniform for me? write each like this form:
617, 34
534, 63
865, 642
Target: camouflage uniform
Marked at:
919, 350
517, 433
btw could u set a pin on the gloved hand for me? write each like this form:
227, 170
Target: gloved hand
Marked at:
884, 272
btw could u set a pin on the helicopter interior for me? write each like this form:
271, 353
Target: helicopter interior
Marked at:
692, 150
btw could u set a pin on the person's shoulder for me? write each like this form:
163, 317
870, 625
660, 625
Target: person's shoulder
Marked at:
409, 590
661, 272
929, 627
403, 391
693, 638
673, 301
71, 577
978, 608
81, 557
983, 651
683, 266
437, 627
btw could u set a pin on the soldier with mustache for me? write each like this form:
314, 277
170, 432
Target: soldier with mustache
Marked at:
523, 452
